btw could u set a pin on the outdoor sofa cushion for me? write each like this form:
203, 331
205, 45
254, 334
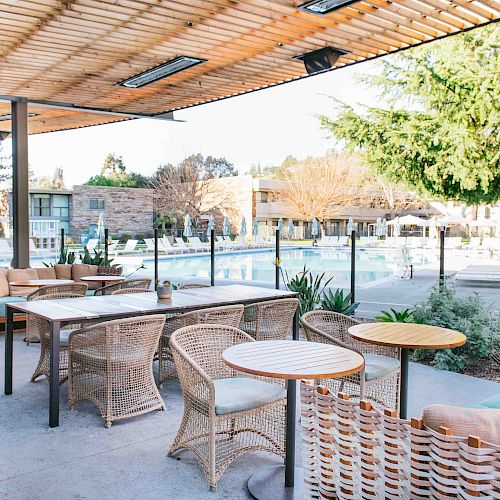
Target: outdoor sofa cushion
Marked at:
484, 423
21, 275
63, 271
6, 300
379, 366
242, 393
78, 271
46, 273
4, 283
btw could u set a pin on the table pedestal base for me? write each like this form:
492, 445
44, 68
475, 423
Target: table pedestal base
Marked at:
269, 484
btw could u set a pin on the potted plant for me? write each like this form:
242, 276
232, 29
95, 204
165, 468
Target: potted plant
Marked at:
164, 290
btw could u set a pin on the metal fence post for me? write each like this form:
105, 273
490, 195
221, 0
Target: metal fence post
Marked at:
156, 259
212, 257
353, 265
278, 260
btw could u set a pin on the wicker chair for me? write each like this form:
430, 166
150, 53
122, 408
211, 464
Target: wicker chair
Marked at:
352, 450
111, 364
134, 283
379, 381
225, 315
37, 327
125, 291
187, 286
271, 320
217, 425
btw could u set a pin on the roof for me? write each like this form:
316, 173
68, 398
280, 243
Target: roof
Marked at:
72, 53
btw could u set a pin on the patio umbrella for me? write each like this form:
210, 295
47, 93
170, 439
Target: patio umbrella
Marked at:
409, 220
433, 228
384, 227
101, 226
450, 219
255, 230
243, 230
188, 228
350, 226
226, 226
291, 229
378, 227
396, 230
281, 227
315, 227
211, 225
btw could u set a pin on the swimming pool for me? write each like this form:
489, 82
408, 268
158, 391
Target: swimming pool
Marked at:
258, 265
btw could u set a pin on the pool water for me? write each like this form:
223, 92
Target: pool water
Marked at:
259, 265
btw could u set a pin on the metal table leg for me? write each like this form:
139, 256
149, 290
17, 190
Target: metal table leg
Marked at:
403, 396
54, 374
9, 349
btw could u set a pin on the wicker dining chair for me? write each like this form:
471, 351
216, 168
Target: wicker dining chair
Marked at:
271, 320
224, 315
125, 291
187, 286
226, 413
37, 327
111, 364
379, 381
133, 283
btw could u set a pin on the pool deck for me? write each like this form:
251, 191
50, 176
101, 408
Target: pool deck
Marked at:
82, 460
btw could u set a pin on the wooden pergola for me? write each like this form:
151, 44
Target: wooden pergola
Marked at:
61, 61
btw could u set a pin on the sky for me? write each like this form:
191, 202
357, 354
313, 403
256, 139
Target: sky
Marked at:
258, 128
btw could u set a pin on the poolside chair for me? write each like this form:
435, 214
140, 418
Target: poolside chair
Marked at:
196, 243
113, 247
129, 247
225, 315
452, 243
334, 240
324, 241
150, 245
271, 320
364, 241
33, 249
343, 241
5, 249
226, 413
378, 381
185, 248
111, 363
141, 283
36, 327
91, 244
167, 246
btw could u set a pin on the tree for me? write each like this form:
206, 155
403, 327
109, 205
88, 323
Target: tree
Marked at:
45, 182
114, 174
441, 133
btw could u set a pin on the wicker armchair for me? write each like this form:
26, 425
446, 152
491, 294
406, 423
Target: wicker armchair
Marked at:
187, 286
111, 364
379, 381
225, 315
125, 291
134, 283
271, 320
37, 327
219, 424
352, 450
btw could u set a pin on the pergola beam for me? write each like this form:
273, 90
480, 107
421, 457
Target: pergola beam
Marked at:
20, 184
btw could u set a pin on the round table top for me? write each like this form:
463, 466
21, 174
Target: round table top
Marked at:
293, 359
102, 279
39, 283
407, 335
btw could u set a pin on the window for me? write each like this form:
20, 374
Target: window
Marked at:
41, 205
60, 205
96, 204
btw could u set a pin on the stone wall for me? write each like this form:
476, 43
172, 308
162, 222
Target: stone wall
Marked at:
126, 210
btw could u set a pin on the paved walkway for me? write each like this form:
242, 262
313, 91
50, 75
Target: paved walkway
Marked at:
83, 460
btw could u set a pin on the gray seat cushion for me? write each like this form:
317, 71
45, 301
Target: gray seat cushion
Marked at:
63, 337
7, 299
241, 393
379, 366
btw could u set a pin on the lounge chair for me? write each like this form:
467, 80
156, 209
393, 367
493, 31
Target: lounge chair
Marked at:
5, 248
129, 247
343, 241
185, 248
453, 242
168, 247
33, 249
197, 244
324, 241
91, 244
364, 241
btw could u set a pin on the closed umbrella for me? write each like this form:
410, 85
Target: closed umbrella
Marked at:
378, 227
255, 230
291, 229
226, 226
350, 226
396, 230
281, 227
211, 225
433, 228
315, 228
243, 230
101, 226
188, 227
384, 227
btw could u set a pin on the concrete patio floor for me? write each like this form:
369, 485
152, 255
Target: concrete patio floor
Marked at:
82, 460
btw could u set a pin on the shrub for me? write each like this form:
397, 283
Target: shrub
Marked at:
125, 237
392, 316
336, 302
469, 315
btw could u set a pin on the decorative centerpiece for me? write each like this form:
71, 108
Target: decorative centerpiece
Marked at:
164, 290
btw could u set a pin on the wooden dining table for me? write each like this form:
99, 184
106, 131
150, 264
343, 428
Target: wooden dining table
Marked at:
291, 360
61, 312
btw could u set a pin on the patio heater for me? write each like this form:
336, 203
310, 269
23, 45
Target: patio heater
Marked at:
212, 257
277, 261
353, 264
156, 258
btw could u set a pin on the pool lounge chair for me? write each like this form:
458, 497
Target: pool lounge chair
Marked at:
91, 244
343, 241
324, 241
180, 242
364, 241
196, 243
150, 245
5, 249
453, 242
33, 249
168, 247
128, 248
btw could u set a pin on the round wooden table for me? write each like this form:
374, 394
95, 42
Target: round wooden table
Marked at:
104, 280
405, 336
40, 283
291, 360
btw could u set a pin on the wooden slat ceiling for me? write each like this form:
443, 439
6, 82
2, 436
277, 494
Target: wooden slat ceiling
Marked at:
75, 51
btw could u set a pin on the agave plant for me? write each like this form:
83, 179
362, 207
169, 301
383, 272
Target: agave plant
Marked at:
338, 303
392, 316
99, 259
309, 288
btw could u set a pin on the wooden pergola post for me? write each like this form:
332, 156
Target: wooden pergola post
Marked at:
20, 184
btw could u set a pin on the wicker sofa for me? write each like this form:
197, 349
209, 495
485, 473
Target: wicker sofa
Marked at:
73, 272
352, 450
